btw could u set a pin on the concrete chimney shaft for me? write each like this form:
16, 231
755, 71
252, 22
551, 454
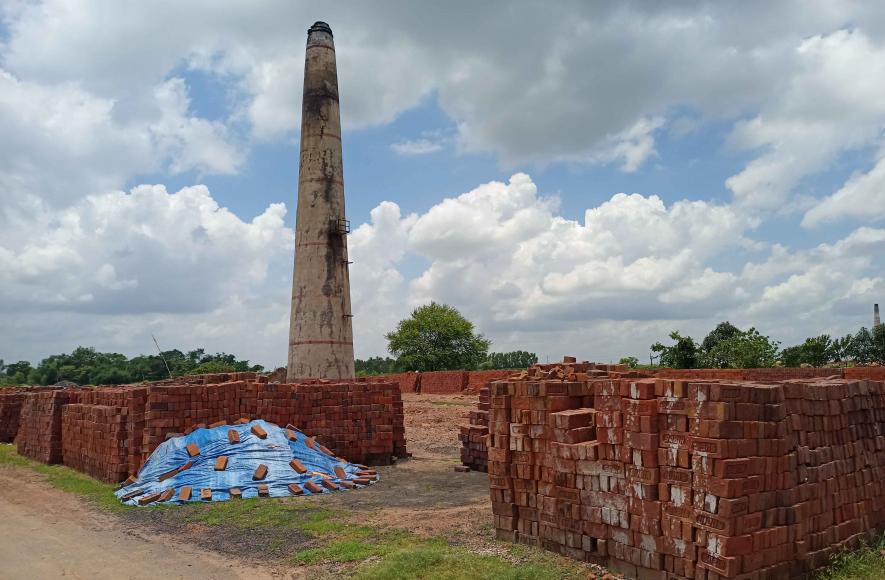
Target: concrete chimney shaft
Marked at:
320, 328
876, 320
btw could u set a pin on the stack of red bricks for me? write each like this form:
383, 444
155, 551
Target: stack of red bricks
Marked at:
10, 410
442, 382
474, 452
359, 420
94, 440
674, 478
39, 432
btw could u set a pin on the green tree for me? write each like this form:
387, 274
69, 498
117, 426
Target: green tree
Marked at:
878, 344
15, 373
745, 350
630, 361
437, 337
816, 351
375, 366
517, 359
863, 347
722, 332
681, 355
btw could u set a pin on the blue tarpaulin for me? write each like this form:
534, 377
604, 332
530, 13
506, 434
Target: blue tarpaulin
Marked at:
171, 466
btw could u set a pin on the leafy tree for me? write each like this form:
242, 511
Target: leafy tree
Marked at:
630, 361
745, 350
375, 366
722, 332
863, 347
15, 373
517, 359
878, 344
682, 355
816, 351
437, 337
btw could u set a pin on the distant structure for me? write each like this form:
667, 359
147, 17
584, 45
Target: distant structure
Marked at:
320, 328
876, 321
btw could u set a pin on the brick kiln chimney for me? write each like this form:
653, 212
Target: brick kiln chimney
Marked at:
320, 329
876, 320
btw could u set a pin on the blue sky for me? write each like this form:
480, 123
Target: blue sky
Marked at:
148, 174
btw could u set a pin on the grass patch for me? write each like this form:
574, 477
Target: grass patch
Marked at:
867, 563
66, 479
452, 403
438, 560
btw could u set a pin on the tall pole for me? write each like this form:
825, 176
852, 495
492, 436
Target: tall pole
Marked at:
320, 329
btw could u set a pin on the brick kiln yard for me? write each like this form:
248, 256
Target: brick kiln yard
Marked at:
422, 513
550, 430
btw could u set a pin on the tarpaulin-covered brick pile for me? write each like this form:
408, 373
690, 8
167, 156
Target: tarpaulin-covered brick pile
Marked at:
241, 460
698, 478
119, 427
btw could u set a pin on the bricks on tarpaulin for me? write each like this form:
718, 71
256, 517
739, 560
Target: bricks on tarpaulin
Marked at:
703, 476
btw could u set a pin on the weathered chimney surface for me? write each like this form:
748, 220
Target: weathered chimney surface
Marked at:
876, 320
320, 330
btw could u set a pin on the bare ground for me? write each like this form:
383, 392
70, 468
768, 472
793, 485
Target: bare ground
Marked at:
47, 533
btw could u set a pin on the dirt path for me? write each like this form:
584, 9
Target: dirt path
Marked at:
47, 533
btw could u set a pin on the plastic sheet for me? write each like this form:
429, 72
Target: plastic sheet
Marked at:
276, 451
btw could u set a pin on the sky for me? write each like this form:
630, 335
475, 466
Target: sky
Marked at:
577, 178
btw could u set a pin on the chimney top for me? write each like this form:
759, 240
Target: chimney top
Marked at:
319, 26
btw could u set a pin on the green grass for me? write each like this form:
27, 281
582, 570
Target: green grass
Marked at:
438, 560
66, 479
867, 563
453, 403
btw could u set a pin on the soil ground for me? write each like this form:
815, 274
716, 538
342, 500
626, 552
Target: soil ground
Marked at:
417, 502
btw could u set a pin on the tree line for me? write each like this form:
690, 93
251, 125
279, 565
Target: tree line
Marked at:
86, 366
727, 346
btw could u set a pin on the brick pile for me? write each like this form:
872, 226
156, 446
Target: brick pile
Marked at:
94, 440
442, 382
479, 379
39, 431
671, 478
360, 420
474, 452
10, 410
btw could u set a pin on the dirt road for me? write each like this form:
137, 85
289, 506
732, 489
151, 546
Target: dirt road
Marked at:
47, 533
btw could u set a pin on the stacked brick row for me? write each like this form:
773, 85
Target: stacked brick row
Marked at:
359, 420
10, 410
474, 452
39, 432
673, 478
442, 382
94, 440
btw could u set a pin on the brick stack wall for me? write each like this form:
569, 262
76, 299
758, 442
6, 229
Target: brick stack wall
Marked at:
408, 382
474, 452
10, 410
94, 440
359, 420
442, 382
476, 380
703, 479
39, 431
